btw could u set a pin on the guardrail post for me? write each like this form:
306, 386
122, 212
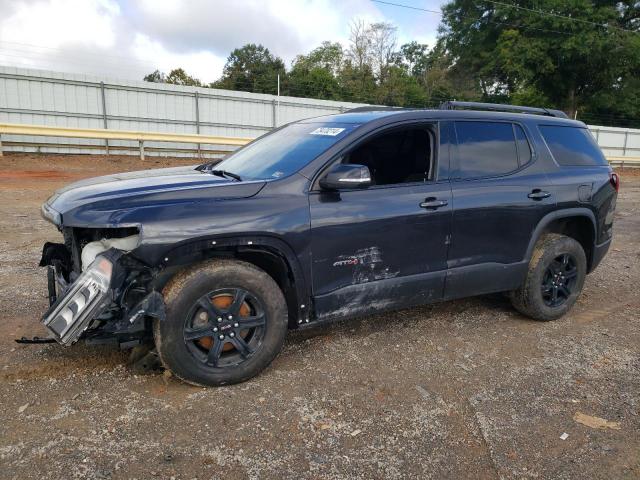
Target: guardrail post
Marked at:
141, 144
104, 116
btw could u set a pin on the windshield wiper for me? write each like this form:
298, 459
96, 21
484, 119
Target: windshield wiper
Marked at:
224, 173
206, 167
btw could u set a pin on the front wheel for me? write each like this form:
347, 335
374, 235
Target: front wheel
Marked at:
556, 274
226, 320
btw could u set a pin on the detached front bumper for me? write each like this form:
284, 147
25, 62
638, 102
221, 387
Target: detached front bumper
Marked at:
77, 304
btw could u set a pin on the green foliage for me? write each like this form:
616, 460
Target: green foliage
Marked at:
546, 58
156, 77
252, 68
315, 75
177, 76
328, 56
414, 57
512, 51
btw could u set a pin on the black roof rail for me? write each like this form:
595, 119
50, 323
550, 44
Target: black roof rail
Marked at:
374, 108
497, 107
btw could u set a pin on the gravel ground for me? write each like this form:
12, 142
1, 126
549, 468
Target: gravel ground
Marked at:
464, 389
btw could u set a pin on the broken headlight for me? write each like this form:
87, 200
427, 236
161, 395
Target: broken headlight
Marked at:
85, 299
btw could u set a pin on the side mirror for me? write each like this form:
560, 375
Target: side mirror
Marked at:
345, 175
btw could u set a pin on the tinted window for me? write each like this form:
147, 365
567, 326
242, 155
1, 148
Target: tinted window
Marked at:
524, 149
284, 151
485, 149
572, 145
400, 156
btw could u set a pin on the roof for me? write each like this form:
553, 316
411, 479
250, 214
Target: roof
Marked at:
418, 114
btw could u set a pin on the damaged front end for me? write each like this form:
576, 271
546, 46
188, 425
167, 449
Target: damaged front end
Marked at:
83, 300
97, 290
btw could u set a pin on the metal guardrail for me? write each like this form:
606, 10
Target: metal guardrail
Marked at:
633, 162
103, 134
141, 137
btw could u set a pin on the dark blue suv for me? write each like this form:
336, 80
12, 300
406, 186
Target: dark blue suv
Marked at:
329, 218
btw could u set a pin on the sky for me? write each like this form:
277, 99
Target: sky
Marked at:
128, 39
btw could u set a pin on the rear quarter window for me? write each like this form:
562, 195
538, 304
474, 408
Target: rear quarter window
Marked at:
572, 146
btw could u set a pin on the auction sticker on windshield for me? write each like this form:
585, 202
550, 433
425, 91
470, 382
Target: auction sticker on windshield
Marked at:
331, 132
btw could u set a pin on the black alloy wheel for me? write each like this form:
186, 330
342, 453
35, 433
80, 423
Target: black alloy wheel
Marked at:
225, 322
559, 280
554, 279
225, 327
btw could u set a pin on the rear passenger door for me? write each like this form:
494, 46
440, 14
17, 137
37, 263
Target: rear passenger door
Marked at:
499, 192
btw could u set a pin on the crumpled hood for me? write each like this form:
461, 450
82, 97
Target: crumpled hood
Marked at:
112, 196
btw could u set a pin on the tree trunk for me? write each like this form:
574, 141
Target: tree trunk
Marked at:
572, 104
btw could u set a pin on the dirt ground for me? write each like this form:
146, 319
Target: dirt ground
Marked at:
464, 389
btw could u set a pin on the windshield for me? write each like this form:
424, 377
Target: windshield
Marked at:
284, 151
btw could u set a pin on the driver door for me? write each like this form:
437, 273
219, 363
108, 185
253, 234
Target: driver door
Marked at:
384, 246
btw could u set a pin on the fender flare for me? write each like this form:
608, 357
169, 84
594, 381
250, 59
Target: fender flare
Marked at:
555, 215
248, 242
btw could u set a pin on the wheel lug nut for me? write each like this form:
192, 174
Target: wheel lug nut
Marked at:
230, 317
215, 329
219, 319
221, 337
236, 325
232, 334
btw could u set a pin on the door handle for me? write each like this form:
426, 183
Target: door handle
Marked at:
538, 194
433, 203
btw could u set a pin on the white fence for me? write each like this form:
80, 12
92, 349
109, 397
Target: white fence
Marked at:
38, 97
617, 142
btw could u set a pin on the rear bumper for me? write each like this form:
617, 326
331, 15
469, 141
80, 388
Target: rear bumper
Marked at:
599, 251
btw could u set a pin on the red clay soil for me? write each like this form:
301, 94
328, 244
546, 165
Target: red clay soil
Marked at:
49, 174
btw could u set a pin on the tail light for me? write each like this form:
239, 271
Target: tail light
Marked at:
615, 180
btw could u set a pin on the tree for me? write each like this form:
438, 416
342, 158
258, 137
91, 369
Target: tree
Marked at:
359, 51
315, 74
316, 82
414, 57
400, 89
382, 41
357, 84
177, 76
561, 53
156, 77
328, 56
251, 68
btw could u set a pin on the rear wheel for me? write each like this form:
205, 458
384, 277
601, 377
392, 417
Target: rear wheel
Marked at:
226, 321
555, 278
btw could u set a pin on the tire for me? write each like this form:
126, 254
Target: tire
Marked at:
187, 340
548, 272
